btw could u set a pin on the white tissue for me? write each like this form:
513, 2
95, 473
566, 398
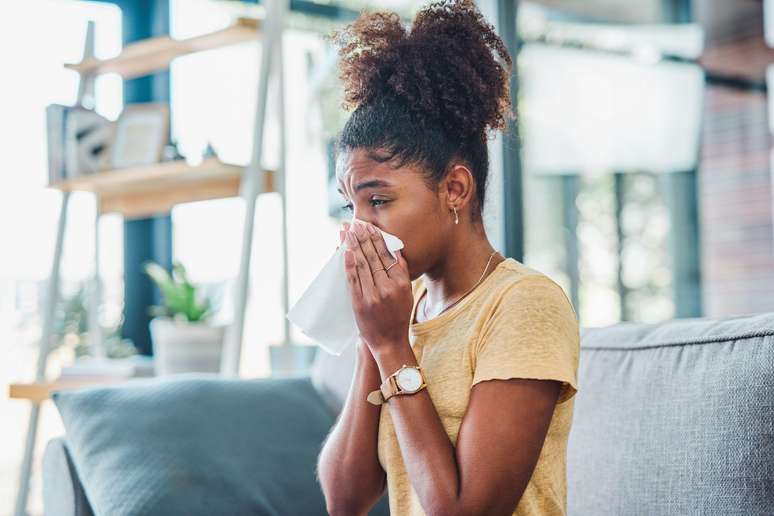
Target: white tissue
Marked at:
324, 311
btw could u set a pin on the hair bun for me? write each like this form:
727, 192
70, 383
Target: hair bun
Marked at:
445, 69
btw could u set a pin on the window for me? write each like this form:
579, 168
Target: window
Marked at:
32, 50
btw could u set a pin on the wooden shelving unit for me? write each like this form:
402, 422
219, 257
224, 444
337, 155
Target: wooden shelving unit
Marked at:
150, 190
144, 191
154, 54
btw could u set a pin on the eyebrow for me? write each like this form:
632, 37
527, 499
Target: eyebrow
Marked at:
374, 183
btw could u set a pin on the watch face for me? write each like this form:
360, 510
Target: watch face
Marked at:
409, 379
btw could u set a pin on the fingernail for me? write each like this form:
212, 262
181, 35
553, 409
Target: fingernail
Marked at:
371, 229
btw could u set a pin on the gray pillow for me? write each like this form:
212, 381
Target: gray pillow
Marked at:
198, 444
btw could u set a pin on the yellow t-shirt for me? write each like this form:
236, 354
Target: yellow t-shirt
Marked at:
517, 323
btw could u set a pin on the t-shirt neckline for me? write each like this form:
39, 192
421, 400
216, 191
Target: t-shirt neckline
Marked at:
424, 326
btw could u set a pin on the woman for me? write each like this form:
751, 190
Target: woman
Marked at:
497, 342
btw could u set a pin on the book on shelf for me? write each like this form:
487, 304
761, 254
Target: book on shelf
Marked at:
79, 142
136, 366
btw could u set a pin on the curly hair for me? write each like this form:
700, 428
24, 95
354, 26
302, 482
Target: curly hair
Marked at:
427, 96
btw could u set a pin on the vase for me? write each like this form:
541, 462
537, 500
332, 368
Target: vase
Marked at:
186, 347
291, 359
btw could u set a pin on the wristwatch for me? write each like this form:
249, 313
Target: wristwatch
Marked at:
406, 380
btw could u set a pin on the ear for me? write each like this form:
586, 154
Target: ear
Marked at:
459, 186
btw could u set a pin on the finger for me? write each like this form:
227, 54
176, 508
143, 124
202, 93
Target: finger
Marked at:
353, 279
361, 264
367, 239
402, 264
380, 248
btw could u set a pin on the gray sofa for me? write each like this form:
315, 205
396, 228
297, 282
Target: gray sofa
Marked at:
671, 418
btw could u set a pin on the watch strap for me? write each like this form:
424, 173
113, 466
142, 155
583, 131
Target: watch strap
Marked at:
375, 397
389, 387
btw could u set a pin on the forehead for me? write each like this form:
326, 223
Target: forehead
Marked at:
356, 171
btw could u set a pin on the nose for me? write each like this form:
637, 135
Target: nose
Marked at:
362, 221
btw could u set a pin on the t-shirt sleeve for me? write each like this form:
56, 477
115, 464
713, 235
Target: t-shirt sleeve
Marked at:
531, 332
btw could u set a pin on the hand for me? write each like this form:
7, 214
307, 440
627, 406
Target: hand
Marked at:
382, 300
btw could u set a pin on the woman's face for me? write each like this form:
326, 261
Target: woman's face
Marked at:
395, 200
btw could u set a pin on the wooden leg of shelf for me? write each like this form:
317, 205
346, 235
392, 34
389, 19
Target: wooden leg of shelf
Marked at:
26, 467
40, 370
251, 184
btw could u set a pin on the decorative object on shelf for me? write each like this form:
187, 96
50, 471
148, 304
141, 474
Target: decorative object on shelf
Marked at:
171, 152
55, 132
89, 137
135, 366
142, 131
182, 334
209, 152
79, 141
291, 359
72, 325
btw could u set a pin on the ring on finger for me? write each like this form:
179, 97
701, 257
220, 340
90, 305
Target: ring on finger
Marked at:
388, 267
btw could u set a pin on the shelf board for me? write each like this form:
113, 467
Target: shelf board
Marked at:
155, 189
38, 392
154, 54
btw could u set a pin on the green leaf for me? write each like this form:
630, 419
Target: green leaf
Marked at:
180, 296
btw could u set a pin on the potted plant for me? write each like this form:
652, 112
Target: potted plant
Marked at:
183, 336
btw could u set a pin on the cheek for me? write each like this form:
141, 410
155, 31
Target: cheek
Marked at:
415, 224
411, 252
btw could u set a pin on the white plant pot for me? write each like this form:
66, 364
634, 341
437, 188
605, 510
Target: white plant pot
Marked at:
291, 359
183, 347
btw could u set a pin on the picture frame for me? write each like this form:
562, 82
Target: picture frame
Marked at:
141, 133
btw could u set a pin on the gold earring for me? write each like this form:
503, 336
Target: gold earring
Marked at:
456, 218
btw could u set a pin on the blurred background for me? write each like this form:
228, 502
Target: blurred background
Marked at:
638, 175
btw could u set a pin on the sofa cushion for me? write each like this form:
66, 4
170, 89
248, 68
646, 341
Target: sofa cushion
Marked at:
198, 444
674, 418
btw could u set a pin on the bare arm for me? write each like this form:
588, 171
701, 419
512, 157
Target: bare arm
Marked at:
348, 467
502, 432
499, 442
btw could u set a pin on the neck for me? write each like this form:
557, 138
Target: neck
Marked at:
460, 269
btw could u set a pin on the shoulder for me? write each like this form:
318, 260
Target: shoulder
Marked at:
528, 306
529, 330
524, 287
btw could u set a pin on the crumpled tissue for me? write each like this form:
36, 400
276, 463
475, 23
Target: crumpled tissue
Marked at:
324, 311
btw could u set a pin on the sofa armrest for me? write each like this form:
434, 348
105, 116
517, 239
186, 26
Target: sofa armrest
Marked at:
62, 490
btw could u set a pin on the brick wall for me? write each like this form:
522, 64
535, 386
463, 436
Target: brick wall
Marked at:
735, 204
